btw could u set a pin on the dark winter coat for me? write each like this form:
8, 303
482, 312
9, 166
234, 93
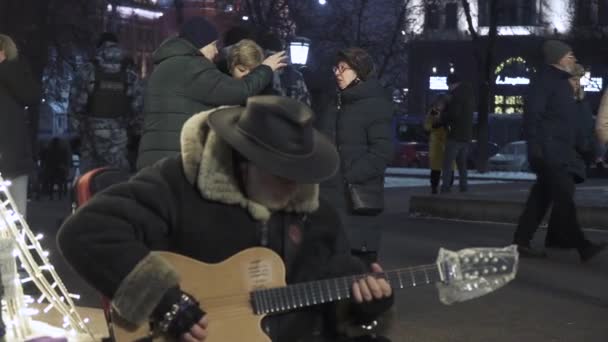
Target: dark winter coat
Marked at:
192, 205
585, 143
18, 89
359, 123
184, 83
458, 115
550, 120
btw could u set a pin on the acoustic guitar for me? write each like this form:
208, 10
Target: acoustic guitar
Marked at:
239, 292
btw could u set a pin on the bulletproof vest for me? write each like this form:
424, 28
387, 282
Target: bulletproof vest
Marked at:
109, 97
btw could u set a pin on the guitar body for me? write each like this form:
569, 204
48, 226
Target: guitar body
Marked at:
223, 291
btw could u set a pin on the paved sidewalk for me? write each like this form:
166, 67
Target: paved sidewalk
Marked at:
505, 202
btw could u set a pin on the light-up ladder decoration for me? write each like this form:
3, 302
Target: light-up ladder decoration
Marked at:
34, 260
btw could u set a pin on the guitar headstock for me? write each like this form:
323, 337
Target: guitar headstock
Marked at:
473, 272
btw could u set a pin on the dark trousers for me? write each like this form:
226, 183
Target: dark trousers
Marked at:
455, 151
554, 186
436, 177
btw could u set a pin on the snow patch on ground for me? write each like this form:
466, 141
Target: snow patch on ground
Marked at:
405, 182
502, 175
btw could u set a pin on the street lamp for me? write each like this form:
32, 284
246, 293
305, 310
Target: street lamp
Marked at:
298, 50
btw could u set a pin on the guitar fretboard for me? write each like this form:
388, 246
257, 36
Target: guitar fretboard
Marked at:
283, 299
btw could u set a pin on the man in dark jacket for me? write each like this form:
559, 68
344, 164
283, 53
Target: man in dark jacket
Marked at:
458, 118
186, 81
550, 121
234, 186
18, 89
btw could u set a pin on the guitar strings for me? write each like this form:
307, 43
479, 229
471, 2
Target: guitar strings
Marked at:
235, 298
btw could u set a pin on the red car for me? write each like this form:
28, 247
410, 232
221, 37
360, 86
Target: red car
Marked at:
411, 154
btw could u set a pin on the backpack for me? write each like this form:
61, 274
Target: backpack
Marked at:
109, 97
89, 184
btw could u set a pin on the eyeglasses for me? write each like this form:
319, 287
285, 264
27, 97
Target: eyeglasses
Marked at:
340, 69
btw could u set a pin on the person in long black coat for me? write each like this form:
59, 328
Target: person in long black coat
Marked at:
585, 154
550, 114
358, 121
18, 89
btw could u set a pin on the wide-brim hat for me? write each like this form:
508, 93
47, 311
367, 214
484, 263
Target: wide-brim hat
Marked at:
276, 134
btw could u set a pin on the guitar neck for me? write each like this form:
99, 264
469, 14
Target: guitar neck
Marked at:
283, 299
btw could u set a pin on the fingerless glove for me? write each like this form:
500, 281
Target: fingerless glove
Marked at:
176, 313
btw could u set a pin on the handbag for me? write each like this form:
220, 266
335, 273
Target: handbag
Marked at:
367, 200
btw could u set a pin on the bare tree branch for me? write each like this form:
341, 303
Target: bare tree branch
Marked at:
467, 11
360, 21
400, 24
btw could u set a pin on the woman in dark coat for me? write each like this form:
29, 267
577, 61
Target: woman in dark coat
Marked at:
17, 91
359, 123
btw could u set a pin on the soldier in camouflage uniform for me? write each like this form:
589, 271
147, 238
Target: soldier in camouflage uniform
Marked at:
106, 106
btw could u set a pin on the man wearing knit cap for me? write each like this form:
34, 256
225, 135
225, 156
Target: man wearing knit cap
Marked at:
554, 51
458, 116
550, 113
186, 81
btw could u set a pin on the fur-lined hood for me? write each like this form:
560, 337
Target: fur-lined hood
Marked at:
208, 163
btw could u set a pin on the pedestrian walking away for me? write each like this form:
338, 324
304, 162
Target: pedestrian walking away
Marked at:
550, 114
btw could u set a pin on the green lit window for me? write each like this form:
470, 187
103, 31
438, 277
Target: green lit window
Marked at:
508, 104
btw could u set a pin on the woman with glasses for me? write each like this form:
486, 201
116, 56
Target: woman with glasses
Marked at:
358, 121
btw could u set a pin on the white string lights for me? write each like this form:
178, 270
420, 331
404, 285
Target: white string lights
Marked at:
15, 231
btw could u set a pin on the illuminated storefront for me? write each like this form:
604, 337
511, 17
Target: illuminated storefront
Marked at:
511, 79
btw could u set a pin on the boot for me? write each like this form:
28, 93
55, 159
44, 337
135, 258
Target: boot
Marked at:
591, 250
435, 177
527, 251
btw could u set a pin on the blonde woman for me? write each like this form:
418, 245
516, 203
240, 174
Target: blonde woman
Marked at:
17, 91
601, 125
437, 139
243, 57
